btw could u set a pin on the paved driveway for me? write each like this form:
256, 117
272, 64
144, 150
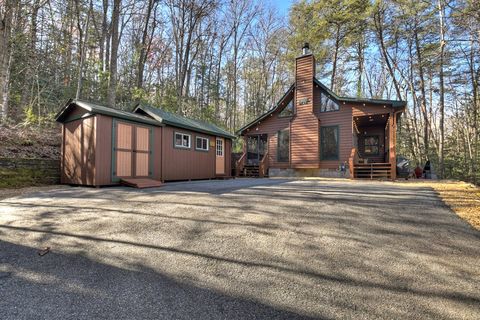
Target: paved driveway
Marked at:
238, 249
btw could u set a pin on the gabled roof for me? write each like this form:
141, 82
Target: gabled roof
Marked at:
174, 120
392, 103
269, 112
92, 109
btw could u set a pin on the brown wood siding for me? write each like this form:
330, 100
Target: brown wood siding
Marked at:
341, 118
157, 153
367, 110
78, 162
228, 154
304, 127
186, 164
103, 160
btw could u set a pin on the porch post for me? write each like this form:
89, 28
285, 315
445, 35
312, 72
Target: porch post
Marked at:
392, 137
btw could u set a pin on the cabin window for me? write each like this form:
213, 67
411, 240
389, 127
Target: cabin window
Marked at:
201, 143
288, 110
283, 146
371, 145
220, 147
329, 143
327, 104
182, 140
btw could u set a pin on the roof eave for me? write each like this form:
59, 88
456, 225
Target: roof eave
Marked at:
83, 105
266, 114
393, 103
173, 124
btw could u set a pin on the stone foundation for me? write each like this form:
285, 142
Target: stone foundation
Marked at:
314, 172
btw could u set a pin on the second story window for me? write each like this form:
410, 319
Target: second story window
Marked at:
288, 110
327, 104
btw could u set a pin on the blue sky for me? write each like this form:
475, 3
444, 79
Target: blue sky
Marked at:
282, 5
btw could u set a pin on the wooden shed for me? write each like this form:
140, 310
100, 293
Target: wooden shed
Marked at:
104, 146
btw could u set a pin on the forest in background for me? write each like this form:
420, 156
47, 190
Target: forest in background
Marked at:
229, 61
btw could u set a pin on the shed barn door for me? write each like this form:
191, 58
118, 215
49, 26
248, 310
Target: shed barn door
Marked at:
131, 150
142, 152
220, 156
124, 150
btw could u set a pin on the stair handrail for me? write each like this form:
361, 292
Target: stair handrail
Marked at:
263, 166
240, 164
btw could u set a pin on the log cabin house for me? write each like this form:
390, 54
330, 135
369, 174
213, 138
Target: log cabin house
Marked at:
104, 146
312, 131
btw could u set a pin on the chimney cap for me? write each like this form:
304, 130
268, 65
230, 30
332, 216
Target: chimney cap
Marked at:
306, 48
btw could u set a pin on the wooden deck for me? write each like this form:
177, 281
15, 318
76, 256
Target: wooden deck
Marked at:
373, 171
141, 183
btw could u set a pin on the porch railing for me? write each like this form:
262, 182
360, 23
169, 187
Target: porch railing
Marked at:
240, 164
263, 166
352, 161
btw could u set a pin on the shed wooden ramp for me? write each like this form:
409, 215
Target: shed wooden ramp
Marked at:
141, 183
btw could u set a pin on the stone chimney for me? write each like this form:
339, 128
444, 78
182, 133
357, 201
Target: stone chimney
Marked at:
305, 125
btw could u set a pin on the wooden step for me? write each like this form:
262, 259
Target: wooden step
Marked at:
140, 183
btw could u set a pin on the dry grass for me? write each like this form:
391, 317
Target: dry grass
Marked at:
461, 197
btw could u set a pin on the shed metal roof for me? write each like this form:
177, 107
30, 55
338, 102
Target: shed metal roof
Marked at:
174, 120
98, 109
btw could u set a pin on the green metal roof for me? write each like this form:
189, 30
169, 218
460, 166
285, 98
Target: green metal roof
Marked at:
98, 109
174, 120
393, 103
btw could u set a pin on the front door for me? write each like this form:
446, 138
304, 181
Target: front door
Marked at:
131, 150
220, 156
256, 148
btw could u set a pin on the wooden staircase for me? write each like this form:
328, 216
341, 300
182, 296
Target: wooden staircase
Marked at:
372, 171
251, 170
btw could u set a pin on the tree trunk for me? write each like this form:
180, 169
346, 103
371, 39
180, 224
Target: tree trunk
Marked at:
423, 100
335, 58
441, 11
31, 57
6, 19
112, 85
82, 47
143, 46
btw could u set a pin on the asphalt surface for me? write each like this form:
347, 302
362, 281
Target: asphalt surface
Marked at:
238, 249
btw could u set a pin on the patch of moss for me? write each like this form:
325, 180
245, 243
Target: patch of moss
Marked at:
21, 177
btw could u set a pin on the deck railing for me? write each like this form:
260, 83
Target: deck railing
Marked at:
352, 161
263, 166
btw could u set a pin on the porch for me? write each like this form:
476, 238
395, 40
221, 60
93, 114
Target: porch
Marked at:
254, 160
373, 151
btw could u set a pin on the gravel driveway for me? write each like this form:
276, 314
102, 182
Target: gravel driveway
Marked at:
241, 248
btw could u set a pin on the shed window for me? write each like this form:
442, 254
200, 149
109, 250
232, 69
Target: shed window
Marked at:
220, 147
201, 143
288, 110
283, 146
372, 144
182, 140
329, 143
327, 104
